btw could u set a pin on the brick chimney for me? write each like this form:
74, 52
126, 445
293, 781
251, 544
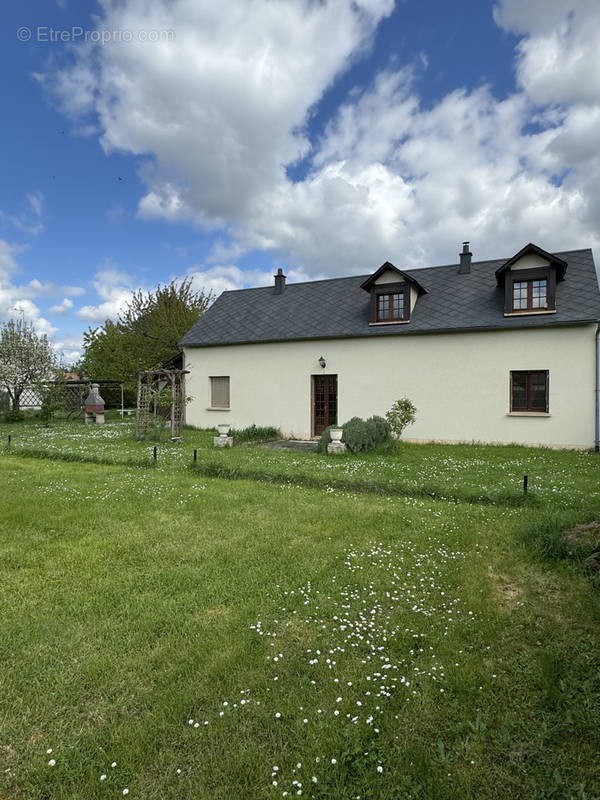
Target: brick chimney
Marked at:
279, 282
465, 260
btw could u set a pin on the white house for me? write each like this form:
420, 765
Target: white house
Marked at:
490, 351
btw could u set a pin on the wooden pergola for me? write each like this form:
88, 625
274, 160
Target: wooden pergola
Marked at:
161, 395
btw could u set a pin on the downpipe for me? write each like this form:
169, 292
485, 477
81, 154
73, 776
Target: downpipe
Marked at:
597, 420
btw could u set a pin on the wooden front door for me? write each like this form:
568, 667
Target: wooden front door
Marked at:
324, 402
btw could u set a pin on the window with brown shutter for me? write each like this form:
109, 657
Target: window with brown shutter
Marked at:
219, 391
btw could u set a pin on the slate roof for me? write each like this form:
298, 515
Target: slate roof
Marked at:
339, 308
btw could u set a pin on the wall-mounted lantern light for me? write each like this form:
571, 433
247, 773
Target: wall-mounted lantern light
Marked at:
322, 362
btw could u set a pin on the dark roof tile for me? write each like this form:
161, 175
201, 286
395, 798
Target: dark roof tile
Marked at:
339, 308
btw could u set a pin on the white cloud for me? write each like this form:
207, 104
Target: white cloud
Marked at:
367, 129
75, 87
534, 15
70, 356
558, 56
30, 313
69, 347
36, 288
227, 277
8, 261
222, 107
221, 110
558, 67
74, 291
63, 307
114, 287
30, 218
15, 300
461, 170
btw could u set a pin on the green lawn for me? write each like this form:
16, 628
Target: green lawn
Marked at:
395, 629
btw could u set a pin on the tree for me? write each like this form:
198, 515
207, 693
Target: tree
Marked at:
26, 358
147, 333
400, 415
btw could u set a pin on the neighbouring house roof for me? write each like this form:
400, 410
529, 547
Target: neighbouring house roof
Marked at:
339, 308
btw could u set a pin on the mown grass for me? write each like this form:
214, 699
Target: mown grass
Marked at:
136, 600
469, 473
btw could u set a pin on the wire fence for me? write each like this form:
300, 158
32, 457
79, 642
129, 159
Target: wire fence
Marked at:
72, 395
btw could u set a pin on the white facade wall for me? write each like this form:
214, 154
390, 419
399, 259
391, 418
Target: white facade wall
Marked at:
460, 383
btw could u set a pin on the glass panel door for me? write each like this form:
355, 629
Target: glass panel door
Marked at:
324, 402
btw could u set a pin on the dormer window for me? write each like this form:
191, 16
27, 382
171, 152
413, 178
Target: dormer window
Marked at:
530, 295
393, 295
529, 280
390, 307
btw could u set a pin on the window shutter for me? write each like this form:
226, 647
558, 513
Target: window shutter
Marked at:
219, 391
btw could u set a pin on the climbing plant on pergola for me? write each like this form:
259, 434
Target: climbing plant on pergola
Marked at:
160, 399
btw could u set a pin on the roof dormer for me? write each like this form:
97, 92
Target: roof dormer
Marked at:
393, 295
529, 279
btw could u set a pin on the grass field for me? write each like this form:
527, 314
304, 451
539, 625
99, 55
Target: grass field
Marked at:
386, 626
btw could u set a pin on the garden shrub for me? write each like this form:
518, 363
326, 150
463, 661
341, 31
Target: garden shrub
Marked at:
359, 435
255, 433
381, 429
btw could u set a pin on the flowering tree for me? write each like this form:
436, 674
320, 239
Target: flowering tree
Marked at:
400, 415
25, 358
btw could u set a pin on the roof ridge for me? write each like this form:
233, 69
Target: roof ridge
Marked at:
402, 269
298, 283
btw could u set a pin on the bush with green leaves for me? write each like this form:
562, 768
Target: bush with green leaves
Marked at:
359, 435
400, 415
381, 429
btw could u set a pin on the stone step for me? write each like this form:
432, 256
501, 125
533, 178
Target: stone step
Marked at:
292, 444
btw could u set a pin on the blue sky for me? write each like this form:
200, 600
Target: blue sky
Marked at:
223, 140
